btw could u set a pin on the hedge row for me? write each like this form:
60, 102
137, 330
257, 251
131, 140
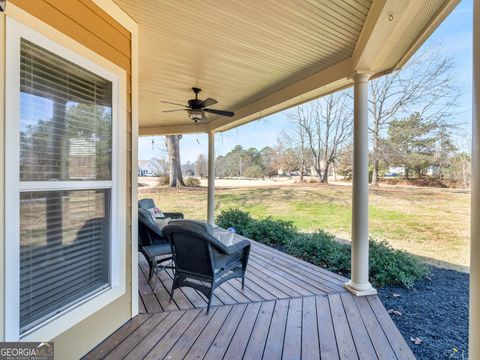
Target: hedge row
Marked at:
388, 266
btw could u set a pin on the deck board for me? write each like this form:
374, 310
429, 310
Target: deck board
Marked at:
289, 309
258, 336
225, 335
276, 334
242, 334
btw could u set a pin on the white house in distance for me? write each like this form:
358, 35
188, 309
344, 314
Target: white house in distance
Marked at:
152, 167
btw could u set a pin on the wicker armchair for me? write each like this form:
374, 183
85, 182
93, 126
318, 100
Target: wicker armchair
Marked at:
202, 261
149, 203
152, 243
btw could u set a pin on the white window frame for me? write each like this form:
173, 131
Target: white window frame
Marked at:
71, 316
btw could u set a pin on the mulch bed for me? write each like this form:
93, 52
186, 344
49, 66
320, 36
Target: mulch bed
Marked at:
433, 315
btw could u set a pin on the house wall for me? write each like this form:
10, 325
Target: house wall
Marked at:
86, 23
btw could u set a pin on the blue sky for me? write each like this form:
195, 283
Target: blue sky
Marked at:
454, 35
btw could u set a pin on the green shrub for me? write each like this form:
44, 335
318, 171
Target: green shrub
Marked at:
267, 231
321, 248
192, 182
271, 231
240, 220
388, 266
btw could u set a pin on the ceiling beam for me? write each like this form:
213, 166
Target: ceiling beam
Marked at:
334, 78
367, 41
441, 14
386, 24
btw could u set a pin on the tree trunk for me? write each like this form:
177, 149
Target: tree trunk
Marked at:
376, 162
325, 173
406, 173
318, 169
375, 173
301, 174
418, 171
173, 148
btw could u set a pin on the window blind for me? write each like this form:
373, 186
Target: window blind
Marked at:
63, 252
65, 119
65, 134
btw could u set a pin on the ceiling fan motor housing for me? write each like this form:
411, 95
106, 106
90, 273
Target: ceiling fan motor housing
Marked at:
195, 103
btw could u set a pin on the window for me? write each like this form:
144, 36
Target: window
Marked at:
62, 157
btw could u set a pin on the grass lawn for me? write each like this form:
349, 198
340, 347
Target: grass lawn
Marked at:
432, 223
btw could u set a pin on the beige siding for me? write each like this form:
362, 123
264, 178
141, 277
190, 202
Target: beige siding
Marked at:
85, 22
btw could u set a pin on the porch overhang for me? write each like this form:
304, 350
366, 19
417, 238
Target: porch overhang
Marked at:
258, 58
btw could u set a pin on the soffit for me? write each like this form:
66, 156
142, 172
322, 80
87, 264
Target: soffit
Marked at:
236, 51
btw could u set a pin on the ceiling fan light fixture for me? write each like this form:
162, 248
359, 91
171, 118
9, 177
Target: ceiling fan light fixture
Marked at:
196, 114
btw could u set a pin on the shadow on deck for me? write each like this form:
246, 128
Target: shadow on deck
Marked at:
289, 309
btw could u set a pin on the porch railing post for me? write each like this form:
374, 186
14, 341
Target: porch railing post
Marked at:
474, 331
359, 284
211, 178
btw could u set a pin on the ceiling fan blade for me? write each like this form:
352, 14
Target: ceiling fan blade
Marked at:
209, 102
220, 112
167, 111
172, 103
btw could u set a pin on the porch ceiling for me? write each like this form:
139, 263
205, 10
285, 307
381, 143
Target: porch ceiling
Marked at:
259, 57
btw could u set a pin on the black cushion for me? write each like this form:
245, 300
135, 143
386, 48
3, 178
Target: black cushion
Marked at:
157, 250
223, 261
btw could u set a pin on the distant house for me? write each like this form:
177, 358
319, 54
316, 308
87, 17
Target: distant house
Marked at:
152, 167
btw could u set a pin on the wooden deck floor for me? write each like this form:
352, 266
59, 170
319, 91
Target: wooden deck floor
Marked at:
289, 309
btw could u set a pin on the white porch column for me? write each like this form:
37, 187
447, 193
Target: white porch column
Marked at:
359, 284
474, 331
211, 178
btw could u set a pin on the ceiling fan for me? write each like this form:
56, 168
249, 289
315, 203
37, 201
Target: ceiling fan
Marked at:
196, 108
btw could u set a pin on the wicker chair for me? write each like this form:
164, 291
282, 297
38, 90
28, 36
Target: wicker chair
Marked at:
202, 261
149, 204
152, 243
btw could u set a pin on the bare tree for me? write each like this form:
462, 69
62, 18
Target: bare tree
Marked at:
425, 85
173, 148
161, 158
201, 166
327, 125
287, 157
336, 115
296, 140
307, 118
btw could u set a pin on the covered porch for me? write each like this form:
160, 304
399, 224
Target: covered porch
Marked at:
255, 58
289, 309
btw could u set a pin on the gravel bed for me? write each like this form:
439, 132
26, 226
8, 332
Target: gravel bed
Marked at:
433, 315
